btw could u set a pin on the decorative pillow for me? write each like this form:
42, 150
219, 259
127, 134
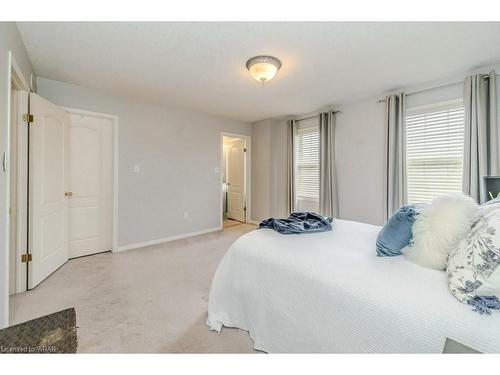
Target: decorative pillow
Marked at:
439, 229
486, 207
396, 233
474, 266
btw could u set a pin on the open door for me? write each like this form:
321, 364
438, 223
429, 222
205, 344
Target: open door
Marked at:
236, 180
48, 201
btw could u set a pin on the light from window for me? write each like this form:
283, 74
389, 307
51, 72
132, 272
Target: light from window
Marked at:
434, 150
307, 168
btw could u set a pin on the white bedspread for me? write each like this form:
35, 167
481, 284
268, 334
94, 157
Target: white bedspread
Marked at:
329, 292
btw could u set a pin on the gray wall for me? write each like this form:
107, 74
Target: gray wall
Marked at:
177, 152
268, 169
278, 168
359, 153
359, 159
261, 171
360, 142
10, 40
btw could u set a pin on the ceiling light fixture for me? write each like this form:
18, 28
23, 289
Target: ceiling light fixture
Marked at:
263, 68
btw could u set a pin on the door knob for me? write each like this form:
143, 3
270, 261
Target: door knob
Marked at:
68, 194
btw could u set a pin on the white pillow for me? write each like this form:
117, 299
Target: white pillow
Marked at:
439, 229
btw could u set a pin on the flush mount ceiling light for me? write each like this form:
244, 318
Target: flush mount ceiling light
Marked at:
263, 68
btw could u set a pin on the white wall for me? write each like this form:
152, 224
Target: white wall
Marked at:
10, 40
177, 152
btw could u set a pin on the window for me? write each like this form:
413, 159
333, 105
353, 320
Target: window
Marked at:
307, 166
434, 150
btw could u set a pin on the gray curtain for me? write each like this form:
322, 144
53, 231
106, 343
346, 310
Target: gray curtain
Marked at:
395, 155
328, 201
290, 196
481, 151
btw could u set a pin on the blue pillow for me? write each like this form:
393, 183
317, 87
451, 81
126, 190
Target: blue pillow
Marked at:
396, 233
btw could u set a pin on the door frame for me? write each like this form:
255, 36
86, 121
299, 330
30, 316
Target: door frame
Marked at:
248, 175
116, 142
14, 75
21, 149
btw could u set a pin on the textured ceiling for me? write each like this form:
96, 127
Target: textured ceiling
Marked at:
201, 66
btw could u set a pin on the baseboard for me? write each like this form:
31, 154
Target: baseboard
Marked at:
138, 245
253, 222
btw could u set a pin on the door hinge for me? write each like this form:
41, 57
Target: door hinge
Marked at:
245, 208
28, 118
25, 258
244, 150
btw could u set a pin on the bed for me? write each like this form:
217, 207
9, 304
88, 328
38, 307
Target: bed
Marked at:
329, 292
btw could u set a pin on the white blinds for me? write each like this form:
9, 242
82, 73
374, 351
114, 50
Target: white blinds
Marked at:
307, 153
434, 146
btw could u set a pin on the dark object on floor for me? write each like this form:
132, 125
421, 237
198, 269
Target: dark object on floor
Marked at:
54, 333
299, 222
454, 347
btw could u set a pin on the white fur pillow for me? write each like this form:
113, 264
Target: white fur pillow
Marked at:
439, 229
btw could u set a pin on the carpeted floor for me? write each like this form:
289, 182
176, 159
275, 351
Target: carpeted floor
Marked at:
152, 299
231, 223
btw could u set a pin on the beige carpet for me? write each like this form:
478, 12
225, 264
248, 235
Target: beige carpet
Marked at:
230, 223
152, 299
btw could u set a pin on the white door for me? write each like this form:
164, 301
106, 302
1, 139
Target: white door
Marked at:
236, 180
90, 184
48, 205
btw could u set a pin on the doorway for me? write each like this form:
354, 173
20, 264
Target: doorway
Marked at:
66, 190
91, 181
235, 175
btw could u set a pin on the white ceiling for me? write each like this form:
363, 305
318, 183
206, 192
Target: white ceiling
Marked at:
201, 66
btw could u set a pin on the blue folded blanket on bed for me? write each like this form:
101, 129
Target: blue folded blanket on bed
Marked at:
299, 222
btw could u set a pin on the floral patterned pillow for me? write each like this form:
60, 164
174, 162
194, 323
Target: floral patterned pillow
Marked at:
490, 206
474, 267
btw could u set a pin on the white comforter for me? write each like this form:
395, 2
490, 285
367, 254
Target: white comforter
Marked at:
329, 292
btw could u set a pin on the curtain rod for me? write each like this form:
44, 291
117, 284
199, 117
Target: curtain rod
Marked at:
314, 116
307, 118
486, 76
427, 89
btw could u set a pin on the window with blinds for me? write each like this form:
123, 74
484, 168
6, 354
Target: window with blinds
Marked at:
307, 163
434, 151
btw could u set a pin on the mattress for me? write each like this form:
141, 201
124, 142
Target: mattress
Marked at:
329, 293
